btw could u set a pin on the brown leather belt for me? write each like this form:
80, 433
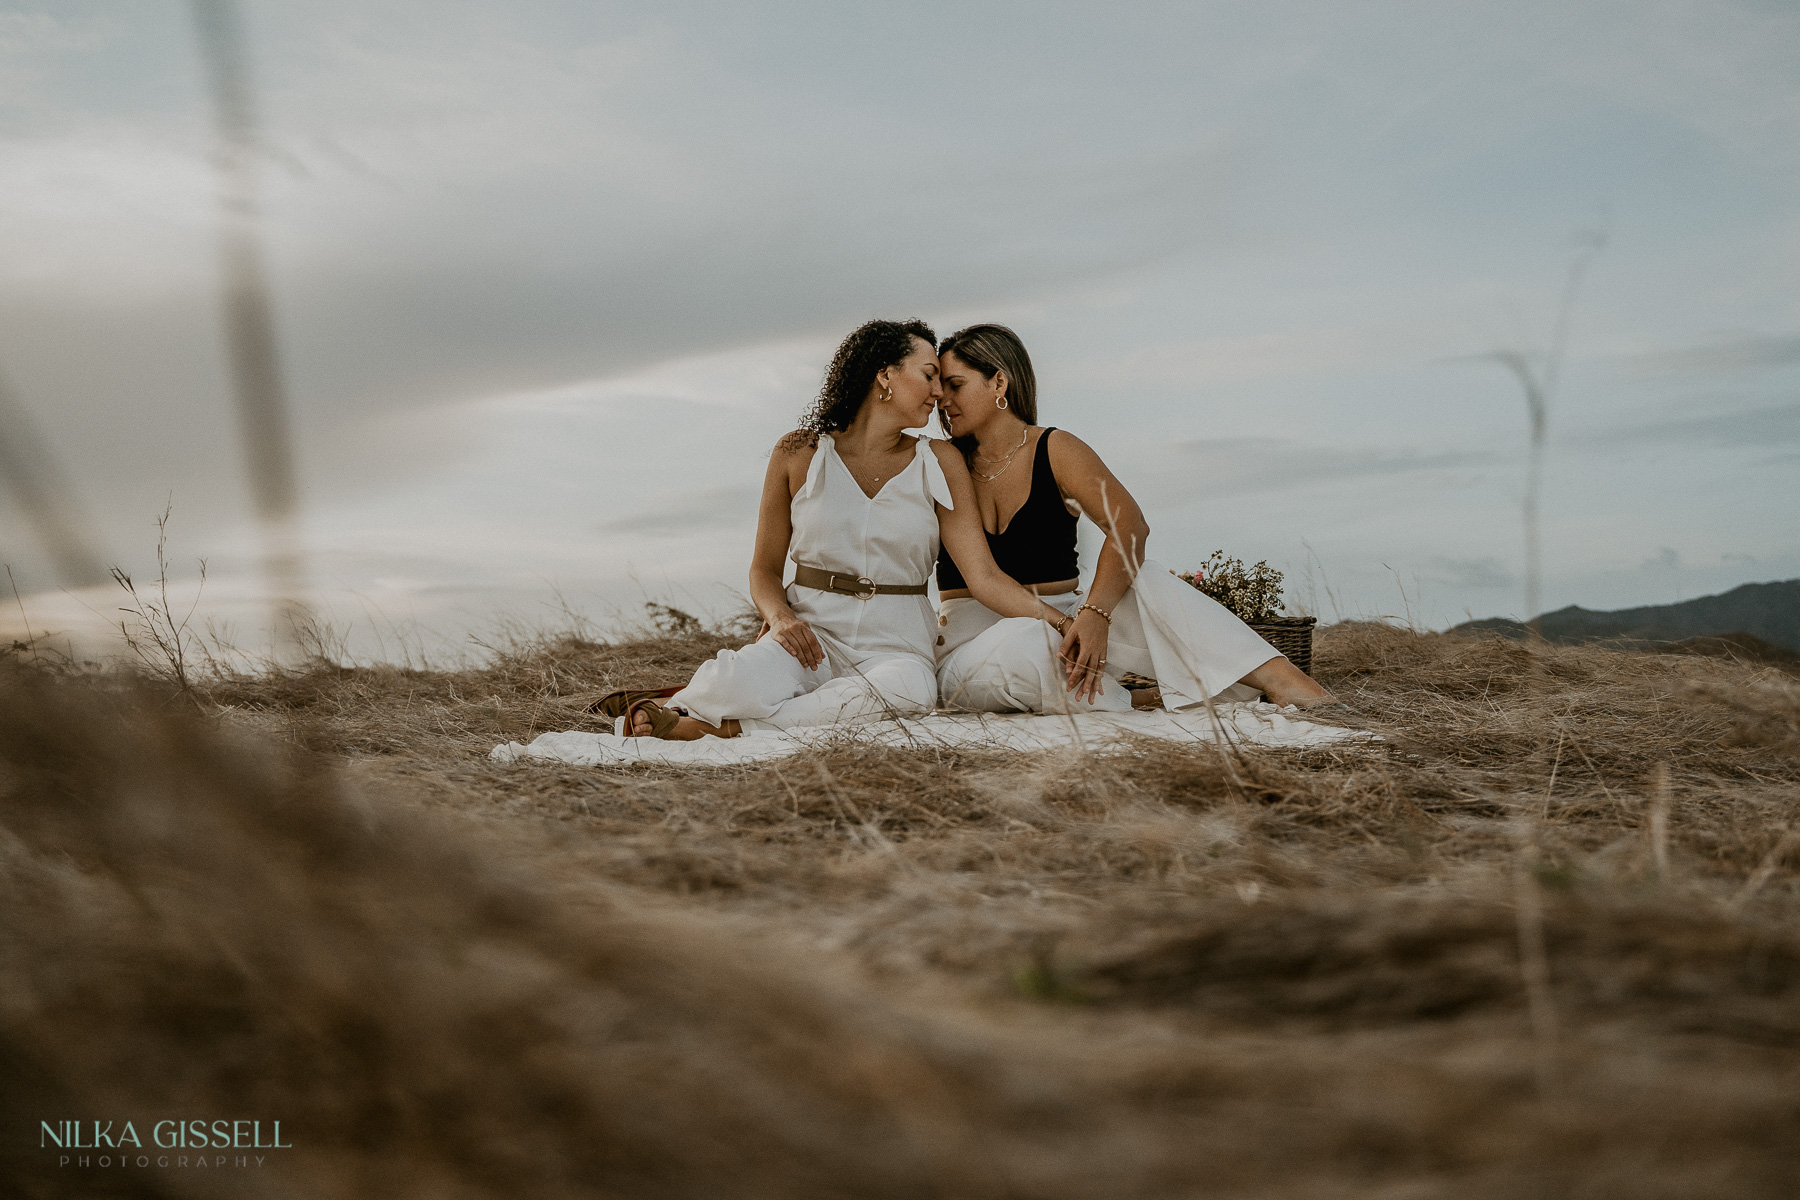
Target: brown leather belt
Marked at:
852, 585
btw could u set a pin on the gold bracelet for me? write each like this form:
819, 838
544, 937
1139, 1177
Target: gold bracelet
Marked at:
1061, 624
1104, 615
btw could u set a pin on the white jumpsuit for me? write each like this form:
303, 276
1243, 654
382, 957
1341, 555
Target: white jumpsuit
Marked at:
878, 652
1188, 642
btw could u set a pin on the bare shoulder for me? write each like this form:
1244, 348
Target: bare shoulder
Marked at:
950, 459
792, 458
1085, 481
947, 455
1069, 451
798, 442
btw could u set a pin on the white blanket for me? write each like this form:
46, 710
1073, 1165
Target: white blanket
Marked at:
1257, 724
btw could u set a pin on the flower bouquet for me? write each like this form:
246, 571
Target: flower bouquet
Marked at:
1253, 595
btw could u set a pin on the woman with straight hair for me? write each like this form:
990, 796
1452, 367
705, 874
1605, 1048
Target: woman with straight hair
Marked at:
860, 506
1030, 483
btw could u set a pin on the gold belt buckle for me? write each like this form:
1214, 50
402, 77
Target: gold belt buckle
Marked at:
843, 588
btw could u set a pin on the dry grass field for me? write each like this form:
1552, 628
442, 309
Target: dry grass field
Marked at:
1541, 941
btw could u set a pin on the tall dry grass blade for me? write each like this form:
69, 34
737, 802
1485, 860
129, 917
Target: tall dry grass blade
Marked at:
1132, 554
1537, 380
860, 829
1659, 823
42, 491
247, 309
20, 601
1534, 963
1555, 765
1312, 560
160, 643
1765, 870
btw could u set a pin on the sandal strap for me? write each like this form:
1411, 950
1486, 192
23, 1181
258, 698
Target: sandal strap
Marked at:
662, 719
613, 704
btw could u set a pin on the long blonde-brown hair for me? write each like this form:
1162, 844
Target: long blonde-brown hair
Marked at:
992, 348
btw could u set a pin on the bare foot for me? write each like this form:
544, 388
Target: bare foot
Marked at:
1286, 684
687, 729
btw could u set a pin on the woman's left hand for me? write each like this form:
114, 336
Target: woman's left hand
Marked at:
1083, 653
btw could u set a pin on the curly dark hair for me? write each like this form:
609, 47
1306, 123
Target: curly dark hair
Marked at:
869, 348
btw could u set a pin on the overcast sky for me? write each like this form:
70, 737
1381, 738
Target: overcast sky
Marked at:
550, 279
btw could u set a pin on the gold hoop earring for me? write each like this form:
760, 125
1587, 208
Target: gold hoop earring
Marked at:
887, 393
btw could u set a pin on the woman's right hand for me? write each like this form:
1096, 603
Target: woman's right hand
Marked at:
798, 639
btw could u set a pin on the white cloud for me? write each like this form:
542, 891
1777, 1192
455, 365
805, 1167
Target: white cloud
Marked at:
1273, 354
1222, 465
1469, 573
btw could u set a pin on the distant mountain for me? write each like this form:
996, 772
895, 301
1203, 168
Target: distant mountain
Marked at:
1743, 647
1766, 611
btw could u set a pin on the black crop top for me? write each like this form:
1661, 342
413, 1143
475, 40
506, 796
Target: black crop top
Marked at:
1038, 544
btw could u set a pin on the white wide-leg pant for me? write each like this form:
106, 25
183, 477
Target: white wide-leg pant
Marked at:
1188, 642
765, 688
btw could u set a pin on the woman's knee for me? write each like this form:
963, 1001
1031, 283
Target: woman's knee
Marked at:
764, 670
970, 676
907, 684
1027, 646
956, 677
1011, 669
771, 656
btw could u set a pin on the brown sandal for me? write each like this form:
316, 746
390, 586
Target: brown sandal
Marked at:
662, 720
614, 704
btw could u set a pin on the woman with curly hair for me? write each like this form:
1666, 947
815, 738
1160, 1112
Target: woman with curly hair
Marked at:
1029, 483
860, 506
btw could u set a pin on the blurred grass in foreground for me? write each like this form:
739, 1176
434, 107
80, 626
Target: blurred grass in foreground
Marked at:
304, 893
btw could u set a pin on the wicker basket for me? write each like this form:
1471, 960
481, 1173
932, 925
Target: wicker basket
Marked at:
1290, 635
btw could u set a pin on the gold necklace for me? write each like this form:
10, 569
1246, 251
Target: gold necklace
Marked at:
990, 478
877, 478
1004, 466
1024, 436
